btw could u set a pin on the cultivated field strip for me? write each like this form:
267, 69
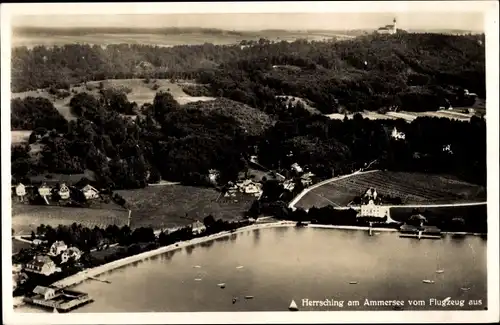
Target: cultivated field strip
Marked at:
412, 188
25, 220
168, 206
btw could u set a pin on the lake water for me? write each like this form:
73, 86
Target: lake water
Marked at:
281, 264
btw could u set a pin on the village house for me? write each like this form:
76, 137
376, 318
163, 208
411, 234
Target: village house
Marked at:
197, 227
20, 191
213, 176
37, 242
45, 292
103, 244
14, 281
306, 179
296, 168
289, 185
44, 190
41, 265
57, 248
397, 135
71, 253
249, 187
90, 192
64, 191
447, 149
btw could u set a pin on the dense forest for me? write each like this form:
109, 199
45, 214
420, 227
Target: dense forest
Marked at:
183, 142
412, 71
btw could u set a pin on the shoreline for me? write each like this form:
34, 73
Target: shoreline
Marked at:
98, 270
84, 275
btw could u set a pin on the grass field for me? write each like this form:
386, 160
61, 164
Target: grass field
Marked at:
20, 137
17, 245
412, 188
407, 116
158, 39
165, 206
26, 218
141, 93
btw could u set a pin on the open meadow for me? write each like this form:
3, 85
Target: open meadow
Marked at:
26, 218
166, 39
17, 245
408, 116
167, 206
140, 92
412, 188
20, 137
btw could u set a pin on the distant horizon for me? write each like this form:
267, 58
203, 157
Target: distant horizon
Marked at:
465, 21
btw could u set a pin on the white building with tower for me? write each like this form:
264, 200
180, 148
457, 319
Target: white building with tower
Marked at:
373, 210
388, 29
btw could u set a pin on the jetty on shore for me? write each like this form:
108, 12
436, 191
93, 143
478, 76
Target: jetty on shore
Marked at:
58, 300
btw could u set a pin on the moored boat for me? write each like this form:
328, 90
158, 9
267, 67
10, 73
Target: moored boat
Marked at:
428, 281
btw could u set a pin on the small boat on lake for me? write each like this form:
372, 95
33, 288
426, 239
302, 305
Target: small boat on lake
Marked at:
293, 306
428, 281
197, 279
235, 299
439, 271
353, 282
239, 267
222, 285
196, 266
248, 297
465, 289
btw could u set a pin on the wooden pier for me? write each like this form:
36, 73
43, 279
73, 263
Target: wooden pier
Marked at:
58, 300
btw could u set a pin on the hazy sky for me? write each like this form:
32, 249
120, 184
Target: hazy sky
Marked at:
339, 21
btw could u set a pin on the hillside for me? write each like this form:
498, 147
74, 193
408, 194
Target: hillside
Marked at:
251, 120
416, 72
172, 139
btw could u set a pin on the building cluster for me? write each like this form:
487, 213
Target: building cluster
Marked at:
45, 265
246, 186
388, 29
64, 187
395, 134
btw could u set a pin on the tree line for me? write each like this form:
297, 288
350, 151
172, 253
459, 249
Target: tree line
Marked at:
413, 71
182, 143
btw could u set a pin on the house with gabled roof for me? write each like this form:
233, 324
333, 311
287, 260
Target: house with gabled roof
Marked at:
90, 192
45, 292
57, 248
41, 264
64, 192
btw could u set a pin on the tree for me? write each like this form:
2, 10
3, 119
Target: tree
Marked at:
209, 221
